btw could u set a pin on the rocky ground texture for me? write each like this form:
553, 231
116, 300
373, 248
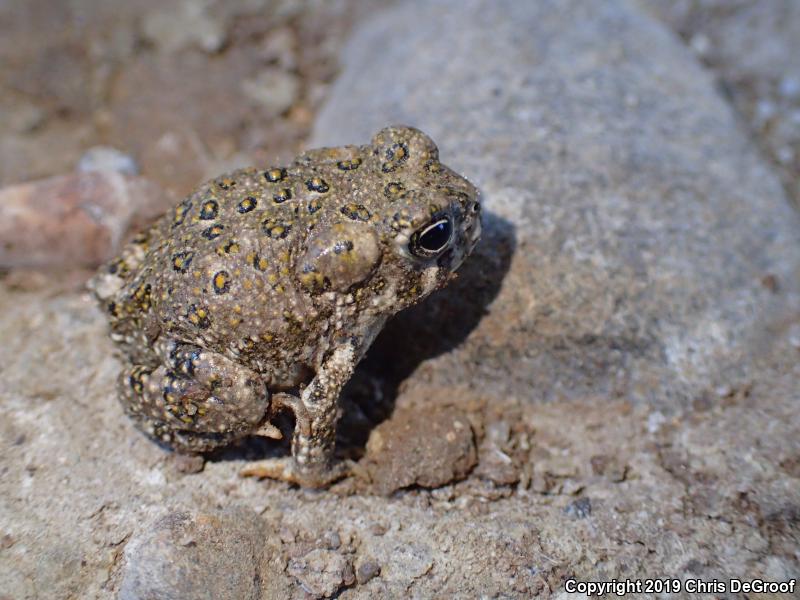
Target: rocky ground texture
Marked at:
609, 390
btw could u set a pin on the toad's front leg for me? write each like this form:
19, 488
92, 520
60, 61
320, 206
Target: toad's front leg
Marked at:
316, 411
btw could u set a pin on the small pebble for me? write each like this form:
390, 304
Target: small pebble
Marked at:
785, 155
654, 421
700, 43
106, 158
188, 463
580, 508
332, 540
794, 336
366, 571
789, 87
765, 110
179, 25
322, 573
378, 529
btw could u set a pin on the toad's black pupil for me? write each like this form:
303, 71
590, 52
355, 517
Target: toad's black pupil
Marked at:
436, 236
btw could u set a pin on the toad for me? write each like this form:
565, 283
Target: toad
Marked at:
263, 289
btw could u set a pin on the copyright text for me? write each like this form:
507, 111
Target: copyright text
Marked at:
622, 587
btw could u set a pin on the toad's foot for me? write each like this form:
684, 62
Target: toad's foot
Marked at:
287, 469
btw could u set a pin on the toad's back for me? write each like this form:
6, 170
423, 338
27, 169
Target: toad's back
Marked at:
218, 270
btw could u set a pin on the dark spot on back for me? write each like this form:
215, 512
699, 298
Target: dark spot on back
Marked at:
356, 212
282, 196
317, 184
221, 282
182, 260
213, 232
274, 175
209, 210
246, 205
275, 228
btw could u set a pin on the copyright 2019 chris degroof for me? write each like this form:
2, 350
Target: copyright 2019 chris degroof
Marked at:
623, 587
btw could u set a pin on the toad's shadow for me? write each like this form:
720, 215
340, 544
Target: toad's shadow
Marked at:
434, 327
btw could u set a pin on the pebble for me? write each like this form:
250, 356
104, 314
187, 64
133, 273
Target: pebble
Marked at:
77, 220
366, 571
426, 448
274, 90
322, 572
199, 556
106, 158
789, 87
579, 509
176, 26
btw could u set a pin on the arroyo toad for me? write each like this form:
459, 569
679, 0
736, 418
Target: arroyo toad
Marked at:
264, 288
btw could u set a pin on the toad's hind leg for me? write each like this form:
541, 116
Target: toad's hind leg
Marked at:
314, 439
195, 400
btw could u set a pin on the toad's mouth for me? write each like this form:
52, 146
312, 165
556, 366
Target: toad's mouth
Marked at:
445, 261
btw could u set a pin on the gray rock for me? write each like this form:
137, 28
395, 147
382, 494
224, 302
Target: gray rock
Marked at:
495, 462
636, 226
752, 48
322, 573
106, 158
208, 555
366, 571
580, 508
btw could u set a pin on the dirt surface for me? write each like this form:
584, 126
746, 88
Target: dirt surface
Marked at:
185, 88
608, 390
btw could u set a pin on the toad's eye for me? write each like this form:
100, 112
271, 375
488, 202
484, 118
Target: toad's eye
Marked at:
431, 239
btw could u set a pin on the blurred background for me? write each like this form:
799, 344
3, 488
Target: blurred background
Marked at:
184, 89
176, 91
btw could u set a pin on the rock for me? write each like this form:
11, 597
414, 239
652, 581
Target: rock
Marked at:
635, 227
367, 570
206, 555
495, 463
331, 540
751, 48
580, 508
409, 561
106, 158
275, 90
427, 448
183, 24
188, 463
74, 220
322, 572
789, 87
